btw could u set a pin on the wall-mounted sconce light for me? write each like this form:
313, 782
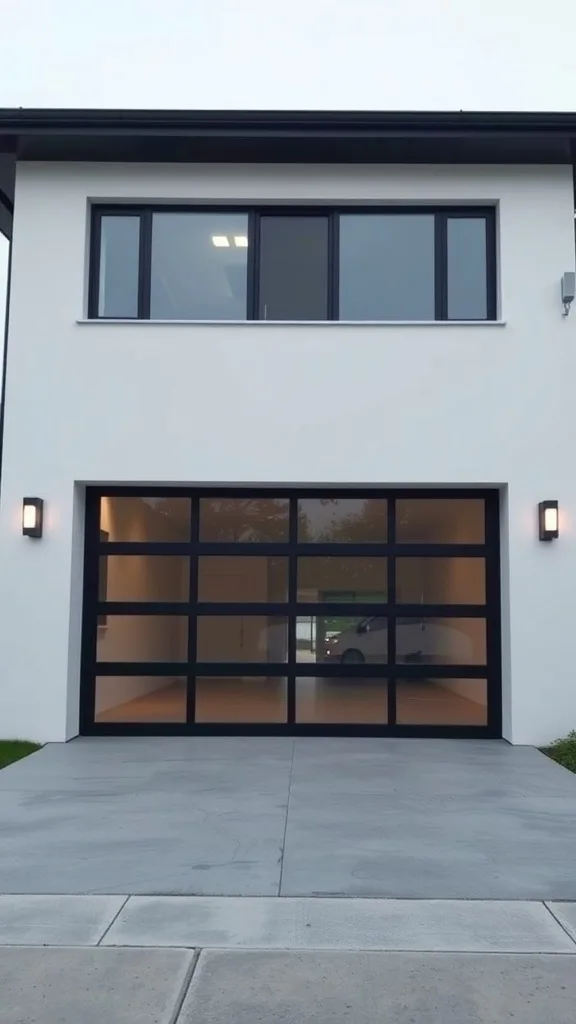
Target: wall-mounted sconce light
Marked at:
568, 289
32, 516
548, 520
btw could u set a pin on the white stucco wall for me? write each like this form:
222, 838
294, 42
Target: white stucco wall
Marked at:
271, 403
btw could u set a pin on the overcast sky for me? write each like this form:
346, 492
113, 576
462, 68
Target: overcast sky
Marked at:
301, 54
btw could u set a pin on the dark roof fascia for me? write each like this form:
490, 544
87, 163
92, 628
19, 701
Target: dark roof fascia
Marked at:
293, 136
55, 119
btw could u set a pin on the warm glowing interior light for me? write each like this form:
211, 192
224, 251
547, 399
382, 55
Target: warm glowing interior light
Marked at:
220, 241
241, 241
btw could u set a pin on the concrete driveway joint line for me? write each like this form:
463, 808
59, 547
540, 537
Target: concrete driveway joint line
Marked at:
185, 987
112, 922
283, 847
565, 914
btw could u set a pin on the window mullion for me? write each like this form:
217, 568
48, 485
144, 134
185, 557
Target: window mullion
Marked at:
253, 273
491, 272
334, 266
94, 269
292, 610
145, 265
441, 266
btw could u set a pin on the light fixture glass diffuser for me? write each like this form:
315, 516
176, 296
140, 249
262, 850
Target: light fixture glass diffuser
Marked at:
32, 514
551, 520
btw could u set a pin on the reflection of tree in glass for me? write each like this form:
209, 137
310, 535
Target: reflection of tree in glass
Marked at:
246, 520
165, 506
342, 520
165, 518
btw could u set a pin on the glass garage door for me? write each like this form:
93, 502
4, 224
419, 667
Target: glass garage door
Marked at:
299, 612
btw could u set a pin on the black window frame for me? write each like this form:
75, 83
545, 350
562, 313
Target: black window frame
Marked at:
441, 216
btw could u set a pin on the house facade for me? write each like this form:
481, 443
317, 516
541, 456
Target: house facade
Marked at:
283, 394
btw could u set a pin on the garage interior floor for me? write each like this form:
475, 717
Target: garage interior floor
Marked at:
260, 816
419, 702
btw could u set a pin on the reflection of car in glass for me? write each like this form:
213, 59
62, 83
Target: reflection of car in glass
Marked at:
416, 640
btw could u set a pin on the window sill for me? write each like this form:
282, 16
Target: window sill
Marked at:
302, 323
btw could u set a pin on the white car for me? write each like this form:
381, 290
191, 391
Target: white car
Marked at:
416, 640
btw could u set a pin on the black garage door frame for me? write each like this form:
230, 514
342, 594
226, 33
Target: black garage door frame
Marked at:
94, 611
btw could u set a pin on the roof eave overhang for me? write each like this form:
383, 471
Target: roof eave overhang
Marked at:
284, 136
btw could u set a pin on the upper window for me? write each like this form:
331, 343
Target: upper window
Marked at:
293, 268
387, 267
118, 266
389, 264
468, 294
199, 266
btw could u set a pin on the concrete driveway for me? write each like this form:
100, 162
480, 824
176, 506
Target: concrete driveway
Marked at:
276, 816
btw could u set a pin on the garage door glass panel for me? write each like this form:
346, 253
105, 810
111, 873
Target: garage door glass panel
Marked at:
140, 699
241, 699
142, 519
256, 638
440, 580
199, 266
144, 578
338, 701
342, 520
143, 638
244, 520
341, 640
440, 521
434, 641
350, 580
246, 578
441, 702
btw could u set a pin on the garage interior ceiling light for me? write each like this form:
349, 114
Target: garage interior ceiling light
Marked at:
223, 242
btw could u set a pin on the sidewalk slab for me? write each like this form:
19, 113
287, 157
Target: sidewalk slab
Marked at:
56, 920
92, 986
566, 914
316, 924
337, 988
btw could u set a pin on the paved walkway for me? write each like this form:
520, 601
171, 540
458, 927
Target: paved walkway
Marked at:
275, 816
162, 960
